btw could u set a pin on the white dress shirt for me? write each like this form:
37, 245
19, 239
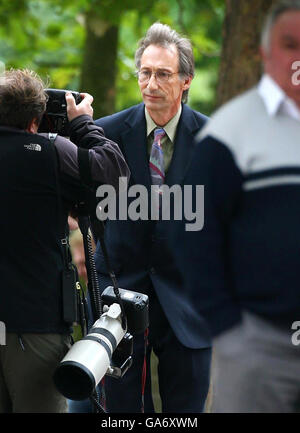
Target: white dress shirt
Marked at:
275, 99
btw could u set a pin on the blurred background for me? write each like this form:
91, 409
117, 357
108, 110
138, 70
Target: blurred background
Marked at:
89, 45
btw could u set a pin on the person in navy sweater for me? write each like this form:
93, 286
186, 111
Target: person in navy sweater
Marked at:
245, 261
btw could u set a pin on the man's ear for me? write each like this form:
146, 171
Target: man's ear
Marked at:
266, 60
187, 82
32, 126
265, 52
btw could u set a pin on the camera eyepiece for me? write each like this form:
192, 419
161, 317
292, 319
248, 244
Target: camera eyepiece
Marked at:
55, 118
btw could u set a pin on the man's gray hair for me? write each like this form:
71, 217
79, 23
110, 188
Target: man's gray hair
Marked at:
276, 11
162, 35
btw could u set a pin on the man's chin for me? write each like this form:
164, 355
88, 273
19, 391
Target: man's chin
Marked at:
153, 104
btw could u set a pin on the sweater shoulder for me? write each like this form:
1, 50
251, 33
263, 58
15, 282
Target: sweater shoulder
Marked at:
232, 116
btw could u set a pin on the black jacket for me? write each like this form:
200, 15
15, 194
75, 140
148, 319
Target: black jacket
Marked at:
32, 223
139, 251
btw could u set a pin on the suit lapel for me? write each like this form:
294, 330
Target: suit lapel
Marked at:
134, 140
183, 146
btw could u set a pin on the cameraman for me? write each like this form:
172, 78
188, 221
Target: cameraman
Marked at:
33, 221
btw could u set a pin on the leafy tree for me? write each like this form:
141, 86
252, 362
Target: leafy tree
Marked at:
103, 19
240, 65
89, 45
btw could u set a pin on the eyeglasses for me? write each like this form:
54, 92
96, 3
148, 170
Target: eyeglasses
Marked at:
161, 76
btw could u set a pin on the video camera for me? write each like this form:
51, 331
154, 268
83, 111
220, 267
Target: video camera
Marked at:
106, 349
55, 118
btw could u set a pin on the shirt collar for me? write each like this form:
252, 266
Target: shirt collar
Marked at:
170, 127
275, 99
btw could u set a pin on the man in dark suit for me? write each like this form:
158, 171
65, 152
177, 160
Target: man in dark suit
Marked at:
138, 249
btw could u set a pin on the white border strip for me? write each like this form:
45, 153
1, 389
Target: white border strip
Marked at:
271, 181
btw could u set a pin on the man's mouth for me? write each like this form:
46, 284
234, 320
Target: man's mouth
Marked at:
152, 96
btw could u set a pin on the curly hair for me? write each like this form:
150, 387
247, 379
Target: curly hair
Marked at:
22, 98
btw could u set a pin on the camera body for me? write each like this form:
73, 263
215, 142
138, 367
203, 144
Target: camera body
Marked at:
55, 118
106, 349
136, 306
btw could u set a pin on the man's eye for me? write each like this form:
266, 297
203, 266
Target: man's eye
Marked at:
145, 74
290, 44
163, 75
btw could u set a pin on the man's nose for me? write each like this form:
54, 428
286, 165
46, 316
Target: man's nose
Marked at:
152, 83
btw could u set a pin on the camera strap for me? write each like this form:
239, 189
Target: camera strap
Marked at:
144, 369
73, 298
63, 237
97, 226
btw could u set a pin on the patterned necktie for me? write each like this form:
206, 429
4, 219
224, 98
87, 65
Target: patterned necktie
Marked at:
156, 162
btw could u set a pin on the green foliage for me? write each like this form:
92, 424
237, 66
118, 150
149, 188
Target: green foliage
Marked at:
45, 37
48, 36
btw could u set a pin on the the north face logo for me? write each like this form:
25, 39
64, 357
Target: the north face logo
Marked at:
33, 146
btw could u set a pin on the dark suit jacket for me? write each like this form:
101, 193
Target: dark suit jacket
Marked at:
139, 251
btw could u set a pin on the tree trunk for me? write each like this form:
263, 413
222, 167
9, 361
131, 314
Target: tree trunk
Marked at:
99, 63
240, 66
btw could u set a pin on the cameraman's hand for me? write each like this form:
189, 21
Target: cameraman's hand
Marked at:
85, 106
